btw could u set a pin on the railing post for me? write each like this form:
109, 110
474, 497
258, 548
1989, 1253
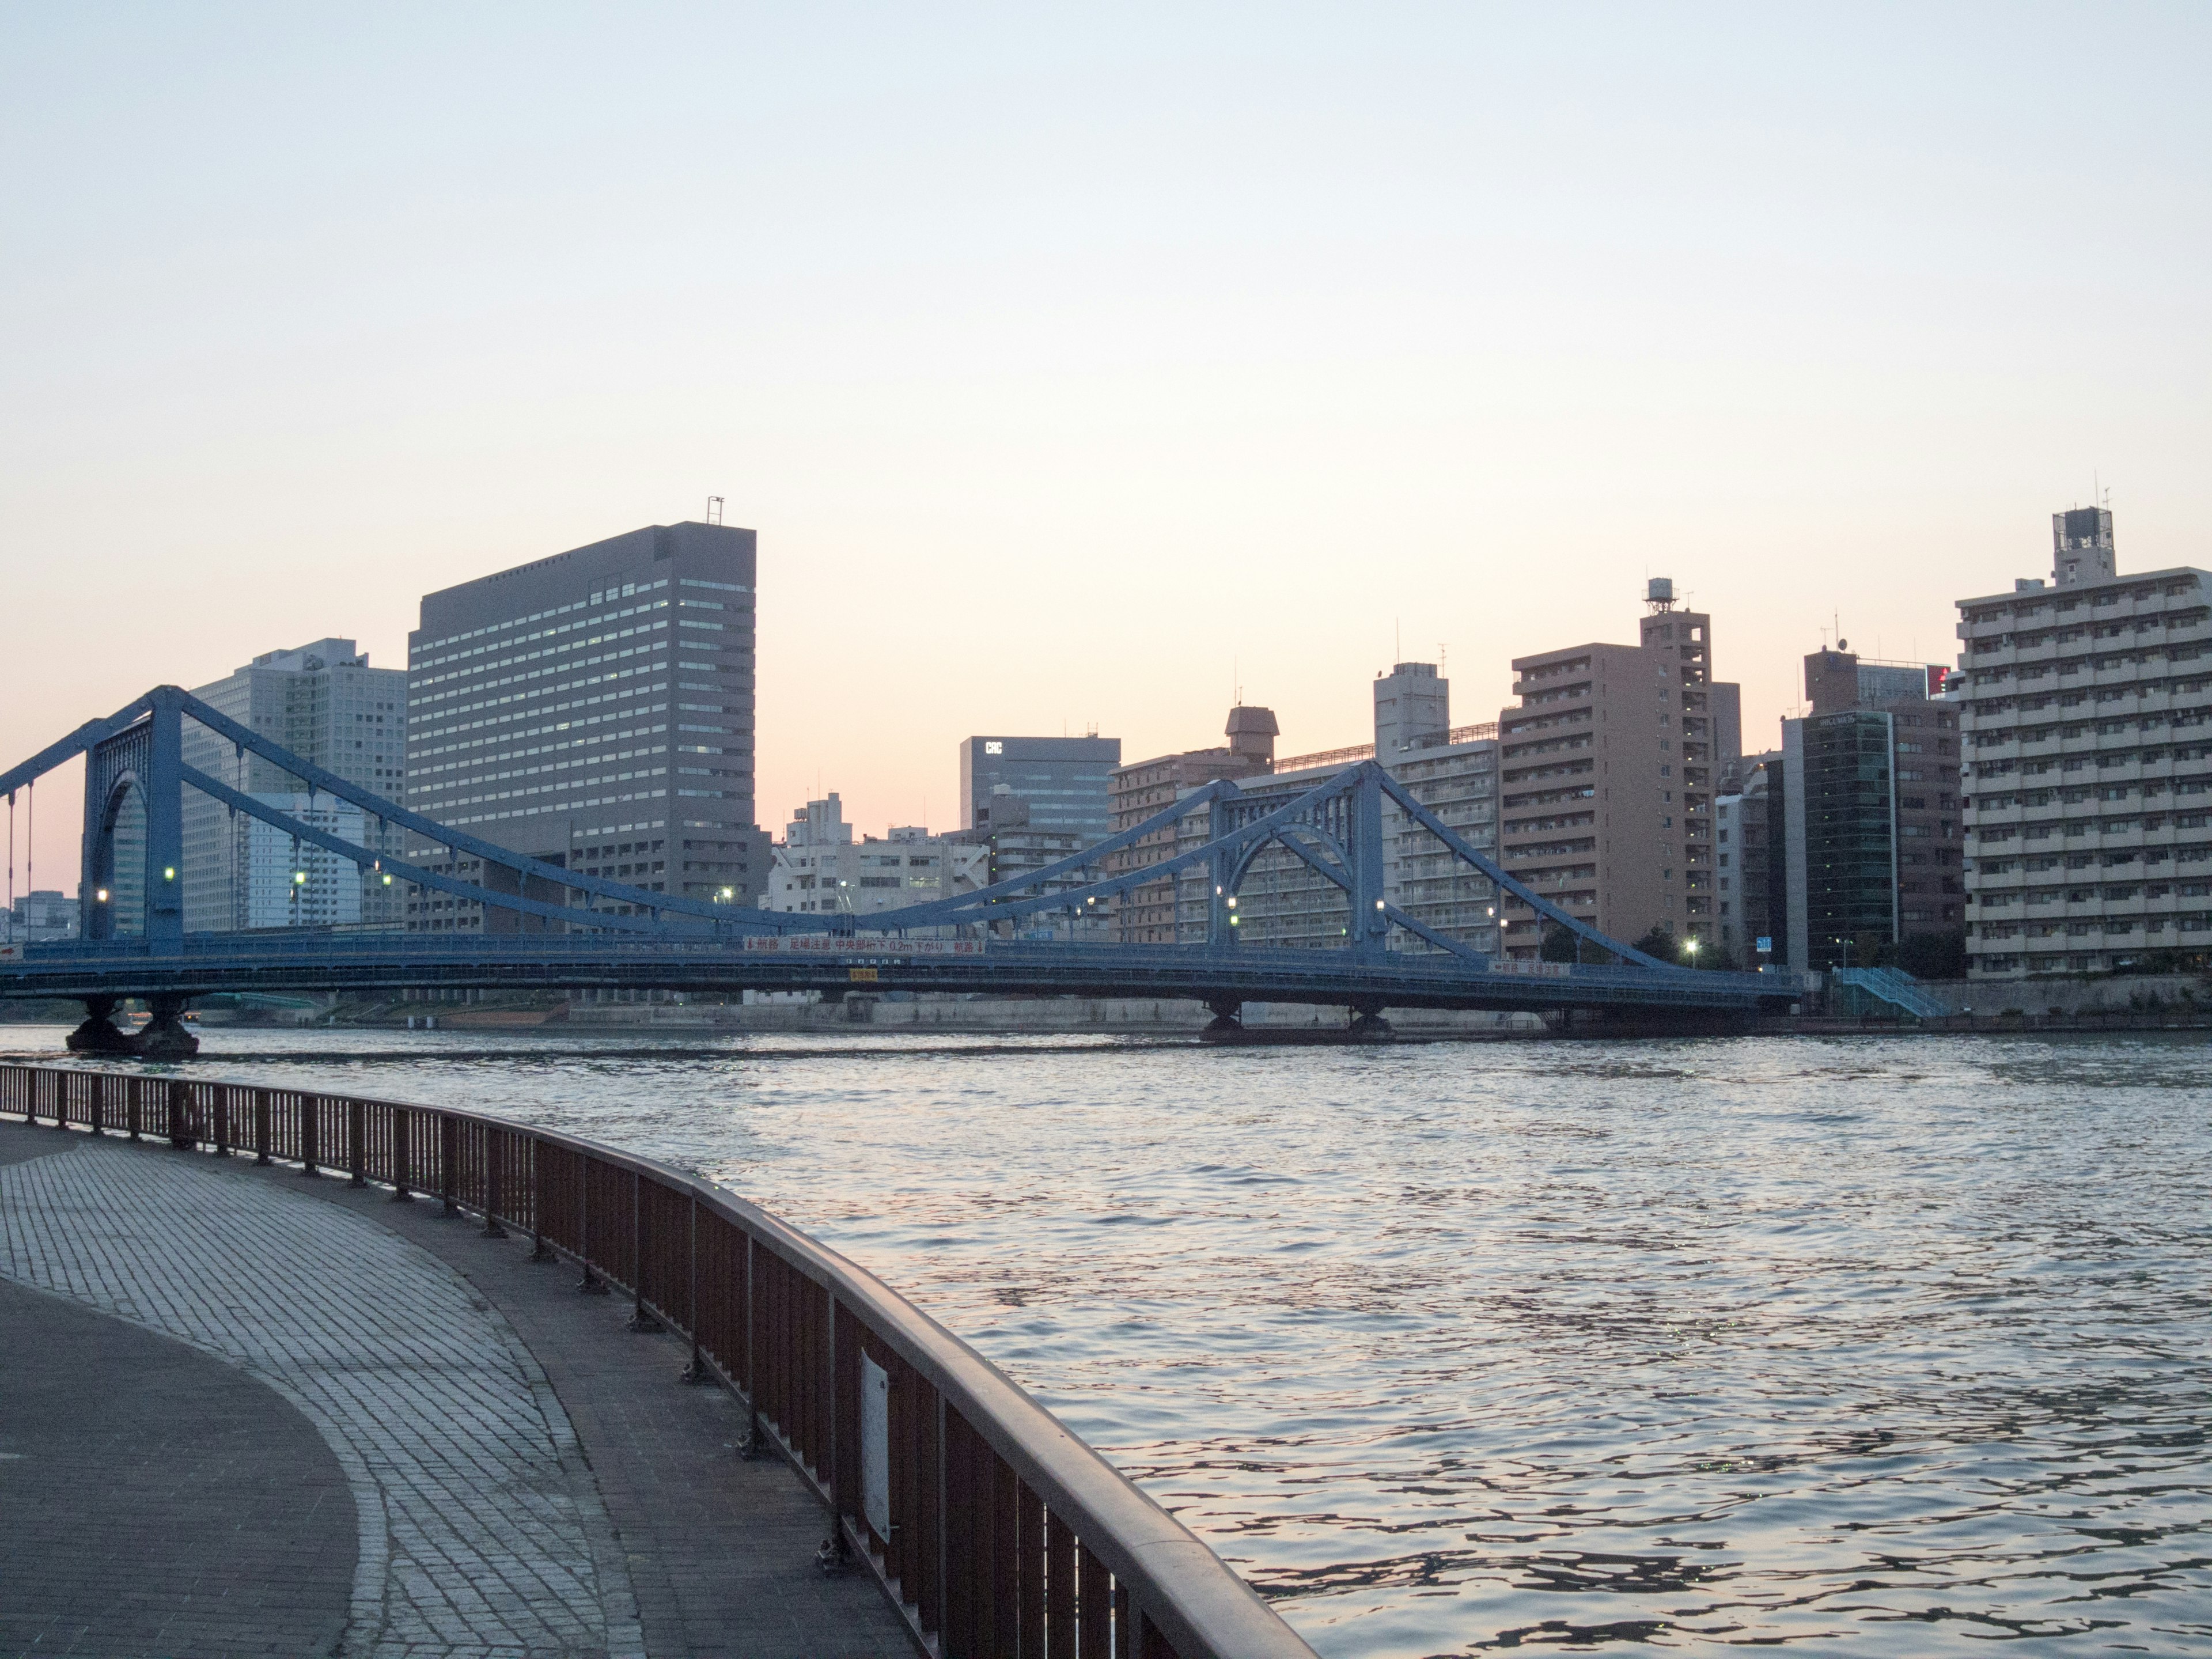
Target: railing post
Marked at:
695, 1371
357, 1144
590, 1284
401, 1174
538, 1249
640, 1320
219, 1116
311, 1134
492, 1194
260, 1126
449, 1140
180, 1116
134, 1104
98, 1101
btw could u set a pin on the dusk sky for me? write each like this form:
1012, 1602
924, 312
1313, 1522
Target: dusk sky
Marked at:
1076, 365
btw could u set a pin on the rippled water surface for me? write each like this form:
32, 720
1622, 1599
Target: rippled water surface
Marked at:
1880, 1347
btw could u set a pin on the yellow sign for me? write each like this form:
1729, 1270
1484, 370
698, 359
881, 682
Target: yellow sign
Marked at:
862, 976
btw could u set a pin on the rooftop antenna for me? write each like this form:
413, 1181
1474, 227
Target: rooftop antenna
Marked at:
714, 509
1444, 660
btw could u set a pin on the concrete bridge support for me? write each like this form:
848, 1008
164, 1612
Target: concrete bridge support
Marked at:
98, 1034
1368, 1025
164, 1038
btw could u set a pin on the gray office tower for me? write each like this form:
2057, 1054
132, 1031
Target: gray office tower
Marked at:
1065, 783
594, 710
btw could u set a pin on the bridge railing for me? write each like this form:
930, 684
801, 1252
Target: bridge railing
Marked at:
996, 1532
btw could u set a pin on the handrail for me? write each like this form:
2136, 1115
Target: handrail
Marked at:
991, 1528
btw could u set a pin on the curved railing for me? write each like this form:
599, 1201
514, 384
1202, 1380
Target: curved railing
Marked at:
995, 1531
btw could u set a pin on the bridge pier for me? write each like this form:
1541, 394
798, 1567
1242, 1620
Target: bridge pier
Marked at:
1227, 1024
165, 1036
1368, 1025
98, 1035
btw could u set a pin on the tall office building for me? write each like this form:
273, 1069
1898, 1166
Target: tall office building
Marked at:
325, 703
2087, 720
1607, 775
1872, 840
1065, 783
595, 710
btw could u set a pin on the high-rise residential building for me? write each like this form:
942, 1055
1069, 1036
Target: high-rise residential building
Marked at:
1064, 783
820, 870
325, 703
1873, 848
2088, 718
1749, 873
1148, 914
1608, 772
594, 709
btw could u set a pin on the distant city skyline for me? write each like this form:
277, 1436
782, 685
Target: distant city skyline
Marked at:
1083, 373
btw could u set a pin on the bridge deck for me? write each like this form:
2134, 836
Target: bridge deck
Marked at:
258, 1411
367, 961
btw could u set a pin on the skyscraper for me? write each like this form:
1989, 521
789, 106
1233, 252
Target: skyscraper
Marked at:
325, 703
595, 709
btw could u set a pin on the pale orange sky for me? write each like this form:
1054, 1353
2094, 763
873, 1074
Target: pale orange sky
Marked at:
1074, 370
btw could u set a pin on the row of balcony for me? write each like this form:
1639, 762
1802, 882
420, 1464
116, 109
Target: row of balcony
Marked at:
2063, 608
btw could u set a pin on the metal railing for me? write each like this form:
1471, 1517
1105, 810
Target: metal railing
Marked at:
995, 1531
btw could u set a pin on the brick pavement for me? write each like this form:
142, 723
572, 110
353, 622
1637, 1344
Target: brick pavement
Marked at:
527, 1478
157, 1500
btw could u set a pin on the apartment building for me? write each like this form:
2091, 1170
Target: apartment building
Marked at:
1606, 775
1748, 880
1154, 913
1012, 848
1873, 849
2086, 714
326, 704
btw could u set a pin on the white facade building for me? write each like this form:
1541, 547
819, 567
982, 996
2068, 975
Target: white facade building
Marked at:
818, 869
2086, 705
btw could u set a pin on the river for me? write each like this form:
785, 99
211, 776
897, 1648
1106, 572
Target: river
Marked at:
1888, 1347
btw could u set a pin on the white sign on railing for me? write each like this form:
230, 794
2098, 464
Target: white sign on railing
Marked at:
876, 1447
1531, 969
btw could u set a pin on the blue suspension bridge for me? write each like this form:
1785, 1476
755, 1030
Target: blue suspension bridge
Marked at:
574, 931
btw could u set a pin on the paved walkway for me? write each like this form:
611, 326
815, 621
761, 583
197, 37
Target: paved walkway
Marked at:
521, 1476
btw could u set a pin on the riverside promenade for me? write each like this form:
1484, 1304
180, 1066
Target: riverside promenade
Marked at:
243, 1411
